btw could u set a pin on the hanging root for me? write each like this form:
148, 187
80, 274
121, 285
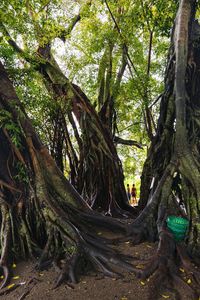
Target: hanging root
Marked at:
44, 260
6, 276
68, 271
5, 244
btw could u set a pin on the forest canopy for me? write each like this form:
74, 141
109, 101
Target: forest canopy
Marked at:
88, 40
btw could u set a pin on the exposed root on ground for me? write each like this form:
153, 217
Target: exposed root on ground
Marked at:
170, 269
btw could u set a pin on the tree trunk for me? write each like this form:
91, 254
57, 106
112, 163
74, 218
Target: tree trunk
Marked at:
170, 178
99, 175
46, 212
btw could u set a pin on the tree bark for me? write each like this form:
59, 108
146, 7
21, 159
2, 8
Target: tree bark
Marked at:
171, 173
49, 214
99, 176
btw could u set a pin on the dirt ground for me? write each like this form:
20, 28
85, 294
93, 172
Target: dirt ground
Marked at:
90, 287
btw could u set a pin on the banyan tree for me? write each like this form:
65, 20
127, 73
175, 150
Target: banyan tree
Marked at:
42, 213
95, 168
170, 179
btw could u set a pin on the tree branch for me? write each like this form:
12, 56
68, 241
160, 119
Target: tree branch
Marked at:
155, 101
65, 32
119, 140
120, 73
11, 42
19, 50
130, 62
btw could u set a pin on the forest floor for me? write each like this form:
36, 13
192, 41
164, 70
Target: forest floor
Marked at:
90, 287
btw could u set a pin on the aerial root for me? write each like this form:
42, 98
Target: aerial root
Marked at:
6, 275
5, 244
43, 260
104, 268
68, 271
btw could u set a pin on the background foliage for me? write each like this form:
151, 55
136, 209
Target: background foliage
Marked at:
82, 56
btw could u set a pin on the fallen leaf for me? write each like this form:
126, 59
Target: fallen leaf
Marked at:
14, 265
127, 242
142, 282
83, 281
41, 274
10, 286
2, 277
124, 298
148, 246
16, 277
99, 233
165, 296
139, 266
182, 270
189, 281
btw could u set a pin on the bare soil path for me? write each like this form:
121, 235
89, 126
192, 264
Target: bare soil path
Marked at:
38, 285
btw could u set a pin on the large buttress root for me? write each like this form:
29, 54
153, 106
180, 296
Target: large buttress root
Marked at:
80, 246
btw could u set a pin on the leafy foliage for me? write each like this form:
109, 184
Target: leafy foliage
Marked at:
36, 23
